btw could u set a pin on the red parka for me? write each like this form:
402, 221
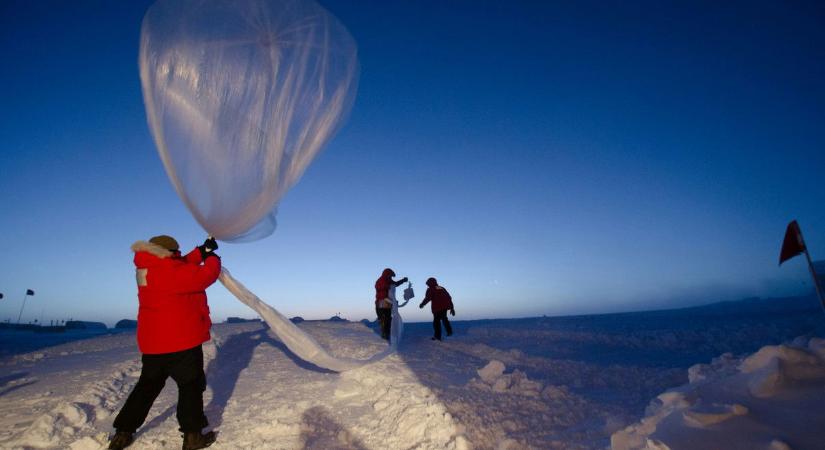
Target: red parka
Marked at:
437, 296
382, 286
173, 313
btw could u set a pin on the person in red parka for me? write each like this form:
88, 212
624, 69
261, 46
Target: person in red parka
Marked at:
173, 323
440, 302
383, 305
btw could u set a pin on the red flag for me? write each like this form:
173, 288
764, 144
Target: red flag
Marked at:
793, 243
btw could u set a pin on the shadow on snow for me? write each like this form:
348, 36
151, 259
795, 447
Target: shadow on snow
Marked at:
616, 362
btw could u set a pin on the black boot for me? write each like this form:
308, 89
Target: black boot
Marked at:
121, 440
195, 440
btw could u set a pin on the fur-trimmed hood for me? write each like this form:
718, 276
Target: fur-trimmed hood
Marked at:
387, 274
152, 249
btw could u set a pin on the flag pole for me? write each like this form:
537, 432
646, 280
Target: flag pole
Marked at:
23, 306
818, 288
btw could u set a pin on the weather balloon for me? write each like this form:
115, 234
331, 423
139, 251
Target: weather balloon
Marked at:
240, 96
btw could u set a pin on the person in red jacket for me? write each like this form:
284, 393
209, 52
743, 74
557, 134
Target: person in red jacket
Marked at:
440, 302
383, 305
173, 323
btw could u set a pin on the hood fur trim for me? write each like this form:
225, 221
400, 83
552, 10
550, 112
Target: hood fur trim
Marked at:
152, 249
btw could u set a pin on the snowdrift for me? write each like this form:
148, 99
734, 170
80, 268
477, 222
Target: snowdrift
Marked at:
771, 400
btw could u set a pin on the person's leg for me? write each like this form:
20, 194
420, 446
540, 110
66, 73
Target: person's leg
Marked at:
437, 326
380, 317
187, 371
380, 320
388, 319
384, 315
447, 325
152, 379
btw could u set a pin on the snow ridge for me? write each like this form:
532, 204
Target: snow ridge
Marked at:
766, 400
96, 402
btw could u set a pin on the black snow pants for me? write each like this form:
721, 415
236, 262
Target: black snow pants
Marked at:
186, 368
438, 317
385, 320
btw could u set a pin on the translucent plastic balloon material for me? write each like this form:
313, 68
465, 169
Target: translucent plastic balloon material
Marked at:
240, 96
397, 323
300, 343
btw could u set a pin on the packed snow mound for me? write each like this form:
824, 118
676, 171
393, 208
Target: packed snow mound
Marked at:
764, 401
492, 371
775, 367
492, 377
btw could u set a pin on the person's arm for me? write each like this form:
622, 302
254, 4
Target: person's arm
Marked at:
194, 278
400, 282
450, 301
199, 253
426, 298
194, 257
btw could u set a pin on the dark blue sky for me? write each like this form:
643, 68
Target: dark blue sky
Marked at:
537, 157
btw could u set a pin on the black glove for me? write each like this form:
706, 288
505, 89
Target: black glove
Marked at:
452, 312
402, 281
206, 253
208, 247
210, 244
421, 305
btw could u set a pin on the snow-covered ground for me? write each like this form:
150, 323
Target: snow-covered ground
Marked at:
769, 400
567, 382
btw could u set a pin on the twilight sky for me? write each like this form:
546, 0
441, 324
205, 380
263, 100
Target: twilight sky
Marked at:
536, 157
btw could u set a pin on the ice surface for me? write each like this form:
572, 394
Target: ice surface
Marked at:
558, 383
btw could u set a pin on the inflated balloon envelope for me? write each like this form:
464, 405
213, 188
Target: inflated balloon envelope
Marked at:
240, 97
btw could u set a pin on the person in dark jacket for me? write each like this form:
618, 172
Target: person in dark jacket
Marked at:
440, 302
173, 322
383, 305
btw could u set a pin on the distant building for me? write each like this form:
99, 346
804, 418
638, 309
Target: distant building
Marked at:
240, 320
83, 325
127, 324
